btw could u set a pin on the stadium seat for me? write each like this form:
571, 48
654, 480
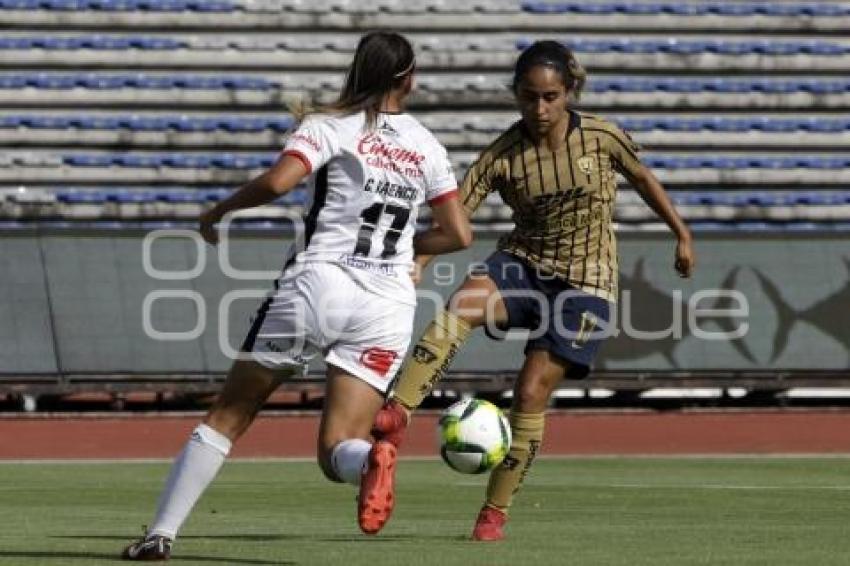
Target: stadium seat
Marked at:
432, 83
142, 126
690, 8
81, 197
120, 5
690, 47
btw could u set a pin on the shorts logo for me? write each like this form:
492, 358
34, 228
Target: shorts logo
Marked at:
585, 164
378, 360
586, 327
286, 351
423, 355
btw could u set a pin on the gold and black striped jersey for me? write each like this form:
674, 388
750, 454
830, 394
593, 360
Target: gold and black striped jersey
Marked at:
562, 200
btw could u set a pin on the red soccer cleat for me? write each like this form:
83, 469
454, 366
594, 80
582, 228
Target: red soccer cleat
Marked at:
390, 423
488, 526
377, 495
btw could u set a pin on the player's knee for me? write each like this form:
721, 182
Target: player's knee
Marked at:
468, 309
531, 396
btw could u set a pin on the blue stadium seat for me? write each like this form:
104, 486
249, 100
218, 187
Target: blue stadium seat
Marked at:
186, 161
47, 122
811, 199
735, 125
242, 124
747, 162
11, 122
157, 43
121, 5
688, 47
105, 82
51, 81
128, 196
135, 160
688, 8
148, 122
281, 124
151, 82
87, 160
179, 160
825, 126
13, 81
94, 122
248, 83
229, 161
82, 197
180, 197
621, 84
19, 4
189, 124
757, 199
215, 195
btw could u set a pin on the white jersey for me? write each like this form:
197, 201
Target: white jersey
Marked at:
365, 191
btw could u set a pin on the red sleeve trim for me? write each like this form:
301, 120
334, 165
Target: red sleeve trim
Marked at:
300, 157
448, 195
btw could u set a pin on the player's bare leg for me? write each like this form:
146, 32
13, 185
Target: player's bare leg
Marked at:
540, 374
433, 353
350, 407
246, 388
345, 452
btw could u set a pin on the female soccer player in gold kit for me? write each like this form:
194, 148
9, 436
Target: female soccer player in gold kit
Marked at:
556, 169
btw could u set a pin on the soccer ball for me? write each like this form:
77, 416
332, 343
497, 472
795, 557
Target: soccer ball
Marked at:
473, 435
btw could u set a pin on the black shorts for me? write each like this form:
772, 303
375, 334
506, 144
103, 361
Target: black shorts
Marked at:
563, 320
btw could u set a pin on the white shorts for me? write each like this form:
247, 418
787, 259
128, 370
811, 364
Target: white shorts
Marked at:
317, 307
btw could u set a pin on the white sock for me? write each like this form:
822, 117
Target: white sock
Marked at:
349, 459
192, 471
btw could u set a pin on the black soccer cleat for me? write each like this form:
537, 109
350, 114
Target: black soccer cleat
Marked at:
149, 548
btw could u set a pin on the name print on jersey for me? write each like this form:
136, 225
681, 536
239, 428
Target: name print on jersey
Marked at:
382, 154
387, 189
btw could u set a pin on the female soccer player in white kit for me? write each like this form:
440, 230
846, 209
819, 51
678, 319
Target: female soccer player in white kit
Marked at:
345, 290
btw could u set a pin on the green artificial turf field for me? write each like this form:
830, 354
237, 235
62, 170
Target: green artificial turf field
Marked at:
616, 511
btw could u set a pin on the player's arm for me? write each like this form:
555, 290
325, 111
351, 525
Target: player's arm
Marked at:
282, 177
653, 193
449, 232
474, 189
624, 157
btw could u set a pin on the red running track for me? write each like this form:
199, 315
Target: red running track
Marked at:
567, 433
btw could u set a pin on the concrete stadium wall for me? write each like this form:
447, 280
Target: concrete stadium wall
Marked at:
74, 303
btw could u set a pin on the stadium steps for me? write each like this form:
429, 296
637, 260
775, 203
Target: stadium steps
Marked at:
230, 168
446, 89
455, 130
435, 51
429, 14
132, 203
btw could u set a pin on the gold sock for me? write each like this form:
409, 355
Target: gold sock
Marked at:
506, 479
431, 358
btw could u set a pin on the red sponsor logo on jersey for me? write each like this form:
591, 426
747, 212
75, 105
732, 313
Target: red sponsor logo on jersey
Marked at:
299, 136
378, 360
372, 144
